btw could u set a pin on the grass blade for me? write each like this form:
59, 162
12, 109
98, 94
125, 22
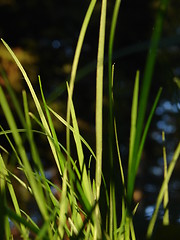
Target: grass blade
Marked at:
55, 139
132, 161
138, 156
99, 110
133, 124
75, 63
63, 206
112, 214
36, 101
99, 97
85, 180
166, 195
36, 188
162, 191
63, 121
149, 69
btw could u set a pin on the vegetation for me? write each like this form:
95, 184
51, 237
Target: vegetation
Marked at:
76, 213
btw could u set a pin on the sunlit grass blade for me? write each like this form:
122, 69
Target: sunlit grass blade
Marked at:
166, 194
111, 36
36, 188
120, 230
76, 61
63, 206
162, 191
36, 101
14, 99
12, 215
42, 233
5, 225
112, 201
55, 139
40, 175
133, 122
62, 120
85, 180
99, 113
132, 161
99, 97
29, 133
81, 195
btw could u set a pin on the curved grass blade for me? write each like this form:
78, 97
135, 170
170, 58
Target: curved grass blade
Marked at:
36, 188
12, 215
58, 150
166, 194
76, 61
36, 101
138, 156
132, 161
162, 191
72, 129
149, 69
85, 180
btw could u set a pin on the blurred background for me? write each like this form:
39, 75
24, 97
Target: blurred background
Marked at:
43, 34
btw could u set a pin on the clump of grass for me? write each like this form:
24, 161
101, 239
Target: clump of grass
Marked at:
76, 213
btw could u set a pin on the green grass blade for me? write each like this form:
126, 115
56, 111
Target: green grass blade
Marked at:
63, 206
99, 97
58, 150
132, 143
85, 180
166, 195
14, 99
99, 113
147, 128
133, 123
76, 61
72, 129
138, 157
12, 215
119, 155
36, 188
3, 217
110, 53
36, 101
111, 36
149, 68
30, 137
42, 233
162, 191
123, 215
111, 76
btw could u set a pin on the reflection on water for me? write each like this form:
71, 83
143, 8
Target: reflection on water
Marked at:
166, 106
166, 119
149, 212
56, 44
156, 171
150, 188
166, 111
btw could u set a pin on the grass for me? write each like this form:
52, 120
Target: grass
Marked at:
76, 213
